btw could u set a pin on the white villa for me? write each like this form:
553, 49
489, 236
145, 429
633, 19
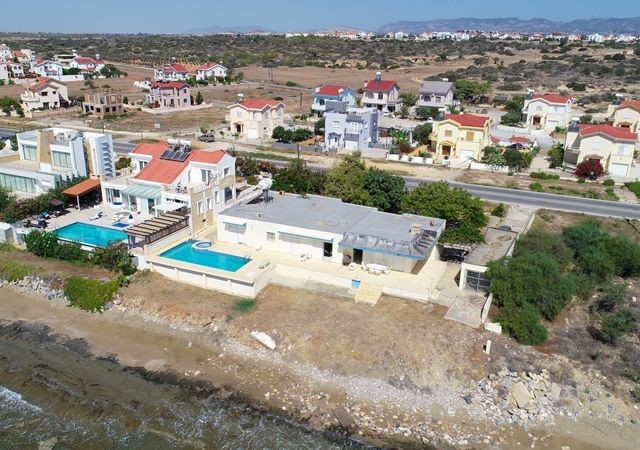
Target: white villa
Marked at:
50, 156
547, 111
170, 176
45, 93
211, 70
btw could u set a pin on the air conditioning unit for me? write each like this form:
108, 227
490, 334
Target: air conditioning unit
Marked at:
259, 215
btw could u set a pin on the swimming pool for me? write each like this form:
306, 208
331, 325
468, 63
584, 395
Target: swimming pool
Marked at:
186, 253
88, 234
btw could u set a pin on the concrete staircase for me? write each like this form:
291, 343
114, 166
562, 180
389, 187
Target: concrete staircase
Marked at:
368, 294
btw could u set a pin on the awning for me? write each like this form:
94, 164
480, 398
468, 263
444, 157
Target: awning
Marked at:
83, 187
169, 206
234, 221
56, 202
142, 191
306, 236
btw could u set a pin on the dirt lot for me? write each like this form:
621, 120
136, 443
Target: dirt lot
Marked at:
53, 268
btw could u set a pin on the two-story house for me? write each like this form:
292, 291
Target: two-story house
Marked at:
171, 72
4, 71
169, 94
211, 71
436, 94
353, 129
45, 93
87, 65
101, 102
625, 114
47, 68
326, 95
168, 176
613, 146
5, 51
547, 111
460, 136
255, 118
384, 95
50, 156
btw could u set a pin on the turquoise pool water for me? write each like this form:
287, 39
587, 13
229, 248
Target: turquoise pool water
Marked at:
186, 253
85, 233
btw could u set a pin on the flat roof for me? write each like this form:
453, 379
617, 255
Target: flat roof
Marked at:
497, 244
328, 214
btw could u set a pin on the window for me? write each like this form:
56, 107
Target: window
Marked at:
226, 172
469, 136
141, 164
29, 152
209, 204
200, 207
271, 237
238, 113
17, 183
217, 196
448, 133
381, 96
477, 281
438, 99
206, 175
61, 159
597, 145
622, 149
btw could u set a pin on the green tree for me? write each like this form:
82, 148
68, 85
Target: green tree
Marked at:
616, 325
385, 189
556, 155
7, 198
199, 98
115, 257
517, 160
400, 141
471, 91
345, 180
302, 134
422, 132
409, 99
493, 156
514, 111
523, 324
404, 111
463, 212
298, 179
424, 112
318, 127
125, 100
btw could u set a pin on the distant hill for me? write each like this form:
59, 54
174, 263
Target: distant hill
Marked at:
609, 25
216, 29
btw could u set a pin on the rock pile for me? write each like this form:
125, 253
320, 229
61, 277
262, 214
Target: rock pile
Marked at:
34, 285
520, 399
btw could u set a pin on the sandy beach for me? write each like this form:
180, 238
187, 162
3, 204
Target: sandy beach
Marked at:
370, 405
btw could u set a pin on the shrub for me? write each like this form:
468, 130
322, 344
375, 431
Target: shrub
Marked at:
500, 210
581, 180
613, 295
244, 305
550, 244
585, 286
625, 254
609, 182
616, 325
634, 187
89, 294
523, 324
536, 187
13, 271
114, 257
42, 243
71, 251
544, 176
123, 162
589, 168
291, 84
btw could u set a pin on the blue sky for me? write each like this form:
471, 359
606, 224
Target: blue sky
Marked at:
133, 16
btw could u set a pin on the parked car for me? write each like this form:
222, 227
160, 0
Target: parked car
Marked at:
207, 137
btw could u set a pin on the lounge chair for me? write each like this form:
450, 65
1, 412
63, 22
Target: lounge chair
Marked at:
97, 216
116, 220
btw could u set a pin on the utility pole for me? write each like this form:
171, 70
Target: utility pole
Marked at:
300, 103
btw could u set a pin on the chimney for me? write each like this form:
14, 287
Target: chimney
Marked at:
317, 88
378, 76
97, 56
530, 93
618, 100
240, 98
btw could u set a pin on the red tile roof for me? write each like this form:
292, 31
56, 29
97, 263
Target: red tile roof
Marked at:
41, 83
608, 130
165, 171
521, 139
154, 149
495, 140
162, 170
175, 67
257, 103
631, 104
85, 61
553, 98
83, 187
379, 86
209, 65
169, 84
331, 90
468, 120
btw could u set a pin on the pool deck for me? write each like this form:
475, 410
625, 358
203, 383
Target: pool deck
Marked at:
289, 270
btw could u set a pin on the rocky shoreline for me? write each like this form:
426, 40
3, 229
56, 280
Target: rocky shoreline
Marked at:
495, 411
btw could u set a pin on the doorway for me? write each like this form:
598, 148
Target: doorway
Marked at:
536, 120
446, 150
357, 255
328, 249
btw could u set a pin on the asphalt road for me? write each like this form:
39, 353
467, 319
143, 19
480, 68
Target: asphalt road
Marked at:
490, 193
7, 133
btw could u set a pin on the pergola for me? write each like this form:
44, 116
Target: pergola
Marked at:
82, 188
154, 229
